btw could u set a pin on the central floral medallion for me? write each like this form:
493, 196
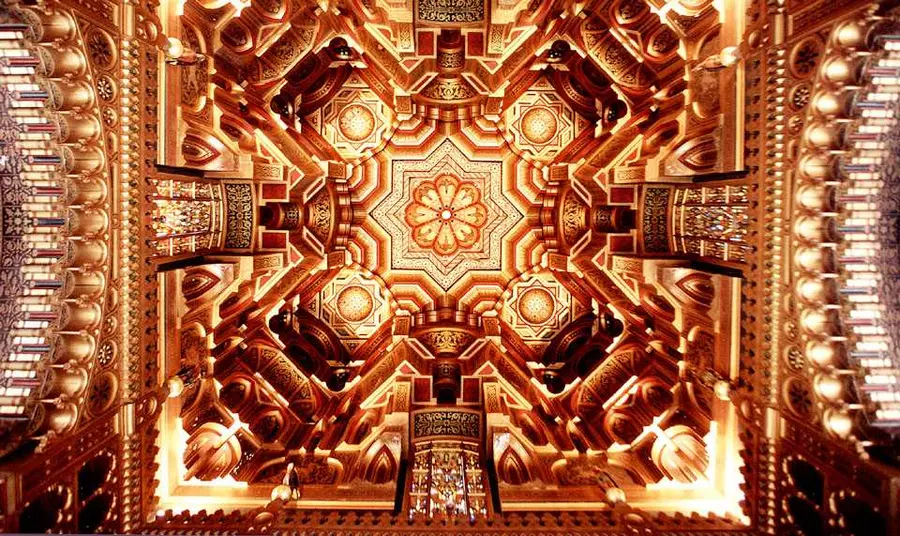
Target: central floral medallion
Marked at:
446, 214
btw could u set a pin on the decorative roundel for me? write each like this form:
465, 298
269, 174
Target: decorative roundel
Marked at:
355, 304
539, 125
103, 392
536, 306
446, 214
356, 122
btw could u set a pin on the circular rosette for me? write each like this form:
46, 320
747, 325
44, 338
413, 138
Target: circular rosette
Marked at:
446, 215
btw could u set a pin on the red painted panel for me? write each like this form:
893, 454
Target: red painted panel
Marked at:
621, 195
426, 43
471, 390
475, 42
274, 240
621, 244
274, 191
422, 390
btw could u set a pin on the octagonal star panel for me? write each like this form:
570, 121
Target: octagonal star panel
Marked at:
538, 307
446, 214
540, 124
354, 305
355, 121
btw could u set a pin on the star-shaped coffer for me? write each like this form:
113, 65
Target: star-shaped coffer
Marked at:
446, 214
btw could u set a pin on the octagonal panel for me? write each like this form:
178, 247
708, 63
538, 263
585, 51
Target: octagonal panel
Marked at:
540, 124
538, 307
353, 304
355, 121
446, 214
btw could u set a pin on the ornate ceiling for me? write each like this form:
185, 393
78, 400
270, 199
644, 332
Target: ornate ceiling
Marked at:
379, 266
453, 269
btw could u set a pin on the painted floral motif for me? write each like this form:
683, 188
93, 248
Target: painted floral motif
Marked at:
536, 306
356, 122
355, 303
539, 125
446, 214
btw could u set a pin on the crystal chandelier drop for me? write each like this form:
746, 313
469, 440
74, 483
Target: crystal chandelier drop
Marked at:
447, 481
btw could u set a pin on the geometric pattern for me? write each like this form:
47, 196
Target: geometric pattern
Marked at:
16, 221
540, 124
355, 121
538, 307
481, 250
353, 305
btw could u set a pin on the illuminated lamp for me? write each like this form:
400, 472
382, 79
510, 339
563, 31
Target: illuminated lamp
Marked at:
812, 290
174, 47
615, 495
829, 387
827, 103
817, 322
816, 167
839, 423
175, 386
722, 390
811, 259
822, 354
815, 197
281, 491
729, 56
822, 136
809, 229
851, 34
840, 71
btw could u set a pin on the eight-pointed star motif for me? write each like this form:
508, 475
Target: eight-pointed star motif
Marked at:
446, 214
